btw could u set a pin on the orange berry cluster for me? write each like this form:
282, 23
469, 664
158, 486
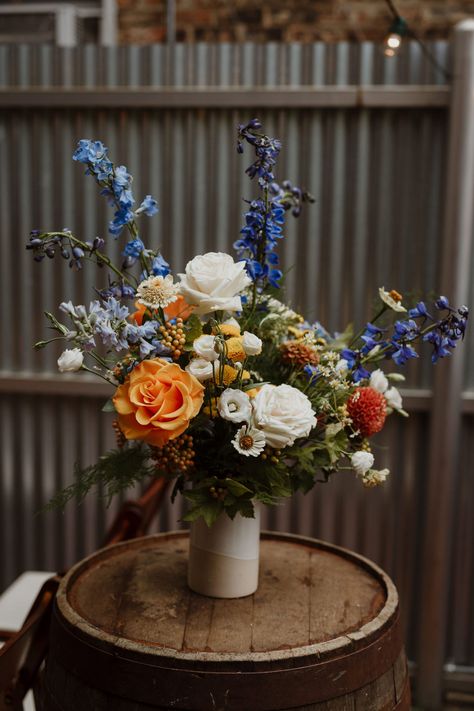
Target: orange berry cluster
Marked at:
173, 337
177, 455
119, 435
218, 493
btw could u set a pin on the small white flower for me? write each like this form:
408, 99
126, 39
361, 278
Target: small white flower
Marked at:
341, 367
204, 346
235, 406
251, 344
374, 478
392, 299
200, 368
249, 441
378, 381
394, 399
396, 377
157, 292
70, 360
361, 462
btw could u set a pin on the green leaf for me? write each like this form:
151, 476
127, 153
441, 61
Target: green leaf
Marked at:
109, 406
193, 330
237, 488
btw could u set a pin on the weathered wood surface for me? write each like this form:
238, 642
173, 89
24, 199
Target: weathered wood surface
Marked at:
320, 633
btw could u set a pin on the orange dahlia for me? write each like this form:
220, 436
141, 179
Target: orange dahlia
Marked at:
367, 409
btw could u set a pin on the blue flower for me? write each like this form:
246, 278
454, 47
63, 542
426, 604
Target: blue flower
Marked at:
133, 248
160, 266
419, 311
89, 151
402, 353
149, 206
442, 303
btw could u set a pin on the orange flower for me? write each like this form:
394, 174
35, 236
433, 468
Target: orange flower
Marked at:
178, 308
157, 401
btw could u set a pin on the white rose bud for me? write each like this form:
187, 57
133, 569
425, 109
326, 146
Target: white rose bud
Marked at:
362, 461
204, 346
283, 413
70, 360
378, 381
213, 282
234, 405
200, 368
251, 344
396, 377
394, 399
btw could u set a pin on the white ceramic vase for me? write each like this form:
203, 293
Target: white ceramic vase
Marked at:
223, 558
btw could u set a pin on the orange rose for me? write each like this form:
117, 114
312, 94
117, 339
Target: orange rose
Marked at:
157, 401
178, 308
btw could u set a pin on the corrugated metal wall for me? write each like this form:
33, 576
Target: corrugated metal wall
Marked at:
378, 178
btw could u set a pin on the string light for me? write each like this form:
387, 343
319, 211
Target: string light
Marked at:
396, 32
394, 38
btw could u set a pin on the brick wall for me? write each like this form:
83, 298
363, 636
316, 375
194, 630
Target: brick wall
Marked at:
144, 21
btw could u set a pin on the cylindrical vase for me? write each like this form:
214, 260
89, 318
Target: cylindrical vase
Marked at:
224, 557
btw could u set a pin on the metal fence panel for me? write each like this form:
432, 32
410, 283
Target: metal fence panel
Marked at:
378, 177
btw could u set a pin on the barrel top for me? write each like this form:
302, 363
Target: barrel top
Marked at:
313, 599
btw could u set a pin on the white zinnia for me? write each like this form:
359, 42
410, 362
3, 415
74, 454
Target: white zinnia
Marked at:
249, 441
157, 292
234, 405
387, 298
200, 368
70, 360
378, 381
362, 462
204, 346
213, 281
251, 344
283, 413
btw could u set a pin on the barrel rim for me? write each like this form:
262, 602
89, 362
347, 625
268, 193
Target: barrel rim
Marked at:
336, 645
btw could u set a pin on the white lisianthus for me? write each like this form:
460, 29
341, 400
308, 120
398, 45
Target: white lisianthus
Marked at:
393, 398
378, 381
249, 441
374, 478
283, 413
213, 281
251, 344
200, 368
392, 299
204, 346
362, 462
70, 360
234, 405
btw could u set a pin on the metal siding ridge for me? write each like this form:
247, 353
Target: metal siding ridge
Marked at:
216, 97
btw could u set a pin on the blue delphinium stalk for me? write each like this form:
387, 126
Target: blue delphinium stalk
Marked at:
116, 184
265, 218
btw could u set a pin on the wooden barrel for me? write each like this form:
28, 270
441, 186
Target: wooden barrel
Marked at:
321, 632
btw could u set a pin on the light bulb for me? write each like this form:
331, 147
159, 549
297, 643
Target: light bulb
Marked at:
393, 40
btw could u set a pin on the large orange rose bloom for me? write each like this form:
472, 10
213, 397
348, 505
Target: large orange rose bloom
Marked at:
157, 401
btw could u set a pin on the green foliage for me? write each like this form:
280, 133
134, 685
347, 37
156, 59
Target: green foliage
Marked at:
193, 330
114, 472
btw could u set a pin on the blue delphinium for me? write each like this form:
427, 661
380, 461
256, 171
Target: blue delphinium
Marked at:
116, 183
264, 219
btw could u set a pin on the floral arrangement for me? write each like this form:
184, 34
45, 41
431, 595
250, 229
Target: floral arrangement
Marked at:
219, 385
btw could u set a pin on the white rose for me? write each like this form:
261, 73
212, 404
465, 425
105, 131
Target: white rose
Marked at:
231, 322
251, 344
204, 346
283, 413
393, 398
234, 405
200, 368
213, 281
70, 360
362, 462
378, 381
